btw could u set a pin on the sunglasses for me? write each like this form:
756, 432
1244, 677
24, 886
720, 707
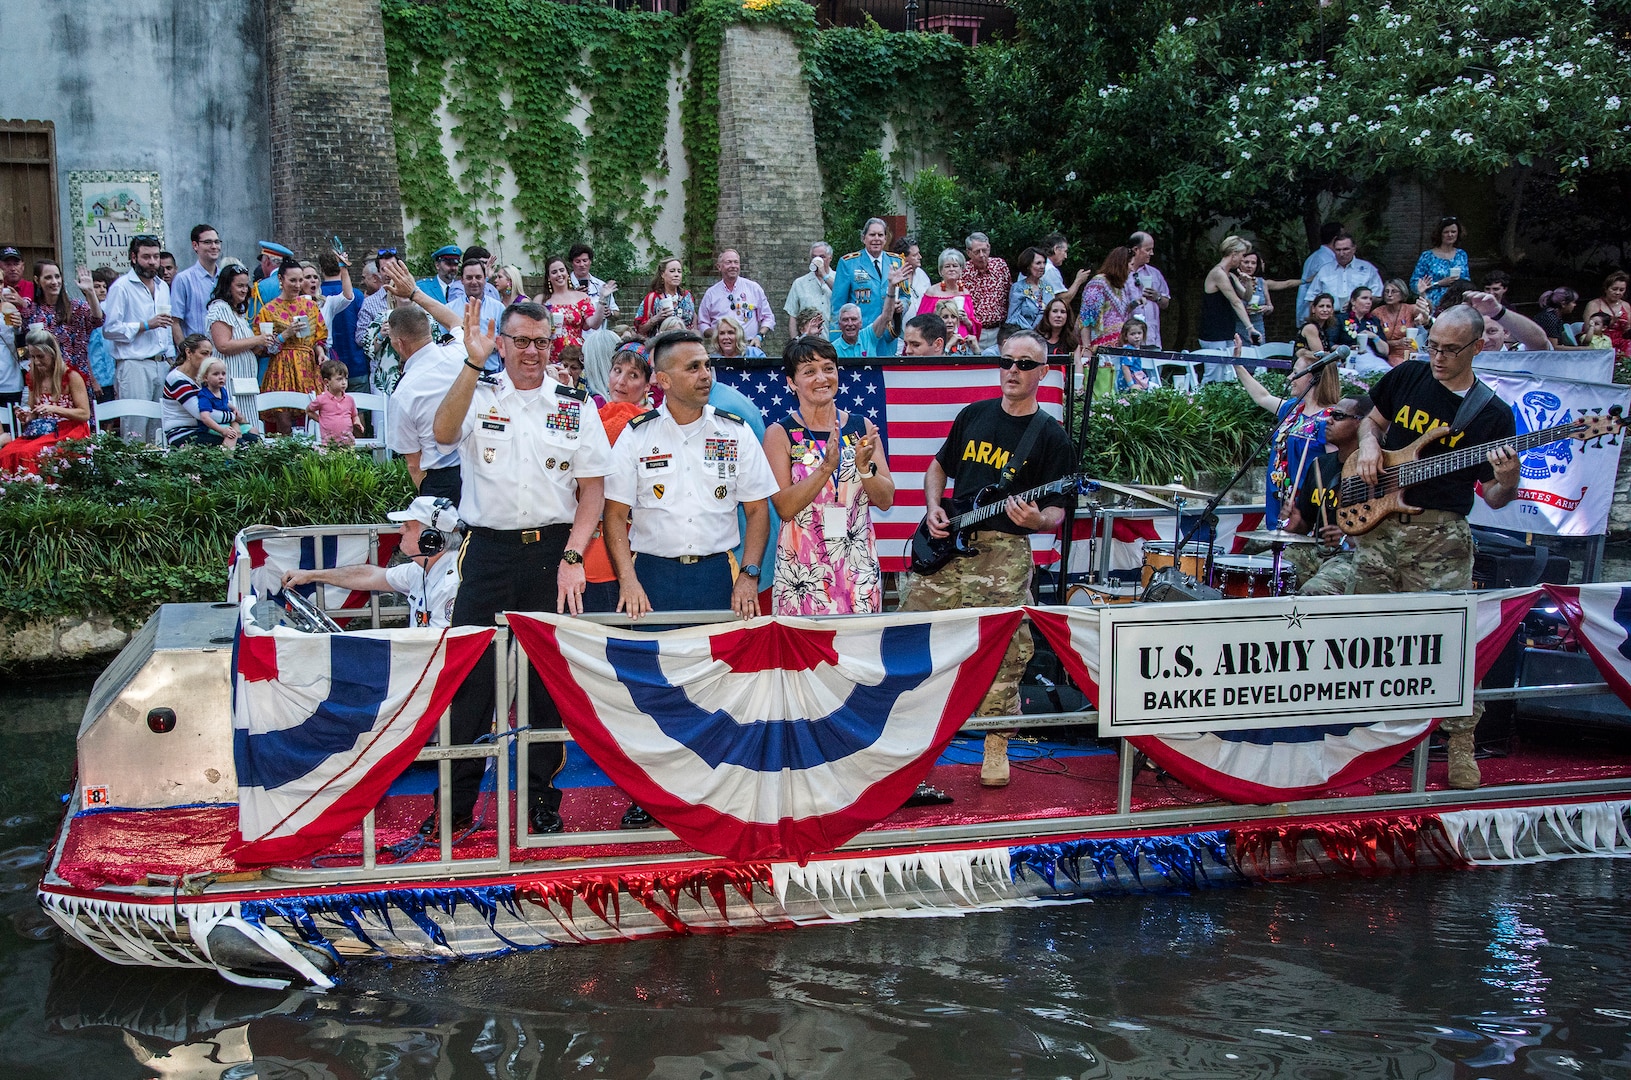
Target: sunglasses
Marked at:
387, 253
1007, 362
1338, 414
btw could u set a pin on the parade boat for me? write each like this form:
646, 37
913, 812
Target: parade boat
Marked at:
250, 795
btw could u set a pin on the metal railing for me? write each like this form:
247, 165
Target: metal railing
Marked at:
510, 686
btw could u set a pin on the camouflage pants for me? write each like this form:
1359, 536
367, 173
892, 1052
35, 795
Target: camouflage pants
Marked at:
998, 576
1435, 556
1323, 574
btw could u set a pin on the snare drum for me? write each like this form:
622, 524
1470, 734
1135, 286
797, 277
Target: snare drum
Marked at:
1158, 555
1099, 595
1240, 576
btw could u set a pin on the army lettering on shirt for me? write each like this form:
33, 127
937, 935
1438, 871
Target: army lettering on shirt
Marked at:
1415, 402
978, 449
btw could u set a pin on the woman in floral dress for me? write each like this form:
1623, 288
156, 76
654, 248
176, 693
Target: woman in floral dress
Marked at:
668, 298
572, 311
297, 327
70, 321
1299, 428
831, 468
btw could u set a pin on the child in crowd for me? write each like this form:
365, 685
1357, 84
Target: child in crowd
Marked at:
960, 339
99, 352
335, 410
1595, 333
1130, 373
571, 358
224, 422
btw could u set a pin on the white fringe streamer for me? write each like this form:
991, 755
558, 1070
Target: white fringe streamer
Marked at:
1526, 834
920, 883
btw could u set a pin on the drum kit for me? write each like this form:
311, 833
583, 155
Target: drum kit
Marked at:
1179, 570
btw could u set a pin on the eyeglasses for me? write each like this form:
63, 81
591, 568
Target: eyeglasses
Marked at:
1449, 351
525, 343
1006, 362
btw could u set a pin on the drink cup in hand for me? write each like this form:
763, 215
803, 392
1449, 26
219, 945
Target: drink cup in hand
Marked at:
266, 329
161, 307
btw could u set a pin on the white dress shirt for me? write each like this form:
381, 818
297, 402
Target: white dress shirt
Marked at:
410, 422
430, 593
127, 309
1318, 260
1341, 281
684, 483
522, 453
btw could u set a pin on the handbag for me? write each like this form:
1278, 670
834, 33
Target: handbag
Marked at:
39, 427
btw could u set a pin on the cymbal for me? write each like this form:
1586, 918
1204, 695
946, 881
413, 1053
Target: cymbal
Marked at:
1128, 490
1276, 536
1176, 490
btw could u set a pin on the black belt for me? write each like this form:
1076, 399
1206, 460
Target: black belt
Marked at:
685, 560
519, 537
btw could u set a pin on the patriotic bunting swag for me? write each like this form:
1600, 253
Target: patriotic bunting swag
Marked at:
776, 739
322, 723
1275, 764
1600, 615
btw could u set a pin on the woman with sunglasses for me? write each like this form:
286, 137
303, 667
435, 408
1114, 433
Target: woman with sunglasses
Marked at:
1299, 427
1442, 263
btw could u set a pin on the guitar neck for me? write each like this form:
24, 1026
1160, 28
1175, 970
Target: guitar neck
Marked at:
975, 516
1414, 472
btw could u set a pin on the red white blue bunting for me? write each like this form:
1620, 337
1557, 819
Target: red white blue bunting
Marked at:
322, 723
774, 739
1600, 615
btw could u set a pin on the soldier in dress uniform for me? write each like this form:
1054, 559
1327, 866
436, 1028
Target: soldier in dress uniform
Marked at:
533, 456
863, 276
684, 468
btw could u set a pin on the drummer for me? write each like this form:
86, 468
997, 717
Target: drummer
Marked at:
1327, 568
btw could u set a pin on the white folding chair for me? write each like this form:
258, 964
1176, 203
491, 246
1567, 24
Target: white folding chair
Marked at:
134, 408
1276, 350
269, 400
375, 406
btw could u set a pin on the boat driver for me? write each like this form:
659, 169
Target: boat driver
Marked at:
429, 579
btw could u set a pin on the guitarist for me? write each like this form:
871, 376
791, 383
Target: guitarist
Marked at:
1011, 443
1432, 550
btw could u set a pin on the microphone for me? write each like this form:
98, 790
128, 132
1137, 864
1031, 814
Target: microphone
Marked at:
1324, 360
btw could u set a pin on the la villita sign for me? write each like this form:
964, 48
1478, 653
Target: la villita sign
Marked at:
1294, 662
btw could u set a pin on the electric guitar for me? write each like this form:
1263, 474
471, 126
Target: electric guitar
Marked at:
1361, 506
930, 553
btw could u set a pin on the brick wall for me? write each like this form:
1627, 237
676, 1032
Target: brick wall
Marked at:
769, 183
333, 150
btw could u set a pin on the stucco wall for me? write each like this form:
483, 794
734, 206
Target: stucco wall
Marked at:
152, 85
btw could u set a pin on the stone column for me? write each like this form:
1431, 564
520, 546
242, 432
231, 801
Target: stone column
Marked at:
333, 147
769, 183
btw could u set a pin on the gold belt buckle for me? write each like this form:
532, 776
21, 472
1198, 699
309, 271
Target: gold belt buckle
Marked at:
531, 536
687, 560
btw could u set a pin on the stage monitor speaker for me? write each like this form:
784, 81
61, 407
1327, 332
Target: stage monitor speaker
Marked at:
1170, 585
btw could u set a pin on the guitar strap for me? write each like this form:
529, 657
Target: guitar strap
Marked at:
1471, 406
1027, 442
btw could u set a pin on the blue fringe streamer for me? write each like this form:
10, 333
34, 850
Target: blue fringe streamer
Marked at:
1186, 861
344, 910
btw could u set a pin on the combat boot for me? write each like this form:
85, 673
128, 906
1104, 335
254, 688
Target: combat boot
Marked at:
994, 769
1463, 765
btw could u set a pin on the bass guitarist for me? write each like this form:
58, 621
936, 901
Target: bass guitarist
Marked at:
1010, 443
1432, 550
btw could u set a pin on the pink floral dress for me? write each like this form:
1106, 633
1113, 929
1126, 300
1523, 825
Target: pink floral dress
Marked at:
570, 322
827, 554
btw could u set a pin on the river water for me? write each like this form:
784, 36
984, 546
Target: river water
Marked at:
1522, 971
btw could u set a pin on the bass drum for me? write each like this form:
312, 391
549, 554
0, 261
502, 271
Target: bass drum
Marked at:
1158, 555
1240, 577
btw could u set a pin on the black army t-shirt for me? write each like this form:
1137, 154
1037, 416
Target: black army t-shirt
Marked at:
1321, 482
976, 451
1414, 401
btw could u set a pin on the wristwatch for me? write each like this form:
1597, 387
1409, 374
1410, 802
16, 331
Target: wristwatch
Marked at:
872, 469
751, 570
572, 558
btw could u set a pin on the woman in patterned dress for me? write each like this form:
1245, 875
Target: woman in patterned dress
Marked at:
59, 406
668, 299
831, 468
1299, 427
572, 311
297, 327
70, 321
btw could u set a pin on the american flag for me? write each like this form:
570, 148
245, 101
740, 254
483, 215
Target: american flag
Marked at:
913, 408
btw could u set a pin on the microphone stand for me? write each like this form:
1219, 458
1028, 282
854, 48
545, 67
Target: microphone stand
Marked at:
1212, 504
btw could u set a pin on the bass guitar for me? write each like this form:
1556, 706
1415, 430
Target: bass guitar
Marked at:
931, 553
1361, 506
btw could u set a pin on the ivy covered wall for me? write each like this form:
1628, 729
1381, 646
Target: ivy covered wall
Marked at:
531, 124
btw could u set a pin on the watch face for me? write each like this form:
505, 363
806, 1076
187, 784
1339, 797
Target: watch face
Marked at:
571, 558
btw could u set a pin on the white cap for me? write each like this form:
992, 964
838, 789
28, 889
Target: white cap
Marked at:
431, 511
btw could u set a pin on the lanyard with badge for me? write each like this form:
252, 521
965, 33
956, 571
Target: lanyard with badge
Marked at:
835, 515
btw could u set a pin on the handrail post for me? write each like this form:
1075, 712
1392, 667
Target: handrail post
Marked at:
369, 855
1124, 779
523, 749
504, 733
373, 597
1418, 766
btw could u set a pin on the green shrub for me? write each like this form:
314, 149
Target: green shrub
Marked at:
119, 528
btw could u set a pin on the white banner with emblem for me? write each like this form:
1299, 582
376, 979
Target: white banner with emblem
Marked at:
1176, 669
1565, 489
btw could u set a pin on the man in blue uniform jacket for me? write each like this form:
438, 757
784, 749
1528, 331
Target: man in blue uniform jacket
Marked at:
863, 276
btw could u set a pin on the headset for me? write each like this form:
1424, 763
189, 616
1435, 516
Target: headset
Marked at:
439, 534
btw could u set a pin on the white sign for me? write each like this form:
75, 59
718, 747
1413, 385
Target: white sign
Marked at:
1565, 488
1171, 669
109, 209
